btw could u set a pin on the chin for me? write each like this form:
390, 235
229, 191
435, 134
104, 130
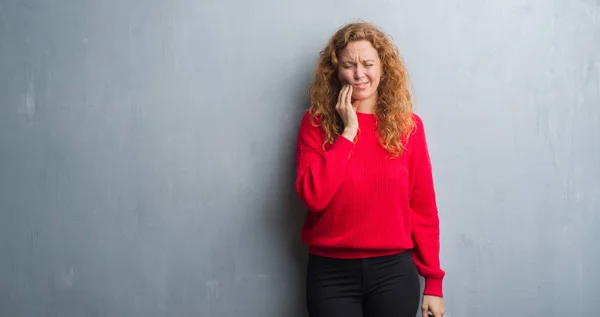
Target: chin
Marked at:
361, 95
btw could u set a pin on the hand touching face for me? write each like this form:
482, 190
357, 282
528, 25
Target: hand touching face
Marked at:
360, 67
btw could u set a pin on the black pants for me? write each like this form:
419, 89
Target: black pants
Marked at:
385, 286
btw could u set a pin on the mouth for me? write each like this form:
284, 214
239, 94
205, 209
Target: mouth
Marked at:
360, 85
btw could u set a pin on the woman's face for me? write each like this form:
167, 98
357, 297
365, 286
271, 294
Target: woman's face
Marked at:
360, 66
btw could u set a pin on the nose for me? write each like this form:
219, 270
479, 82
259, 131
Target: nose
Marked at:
359, 72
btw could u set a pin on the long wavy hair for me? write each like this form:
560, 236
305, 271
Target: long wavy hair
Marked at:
394, 105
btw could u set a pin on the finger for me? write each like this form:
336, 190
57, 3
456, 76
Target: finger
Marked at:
343, 95
341, 92
436, 313
340, 98
340, 101
349, 96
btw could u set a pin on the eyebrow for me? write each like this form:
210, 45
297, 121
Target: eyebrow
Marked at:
364, 61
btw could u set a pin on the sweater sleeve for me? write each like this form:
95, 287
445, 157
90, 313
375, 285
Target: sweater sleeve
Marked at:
426, 232
319, 173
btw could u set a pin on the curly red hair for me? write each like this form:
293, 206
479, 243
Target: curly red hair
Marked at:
394, 106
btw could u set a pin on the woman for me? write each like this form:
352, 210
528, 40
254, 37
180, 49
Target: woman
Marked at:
364, 173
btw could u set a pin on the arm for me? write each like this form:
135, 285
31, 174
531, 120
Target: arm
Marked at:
426, 232
319, 173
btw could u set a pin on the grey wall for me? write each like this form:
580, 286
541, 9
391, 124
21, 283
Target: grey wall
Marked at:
147, 152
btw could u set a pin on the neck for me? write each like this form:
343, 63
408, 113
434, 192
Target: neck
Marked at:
366, 105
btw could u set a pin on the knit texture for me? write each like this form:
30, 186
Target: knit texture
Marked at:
363, 203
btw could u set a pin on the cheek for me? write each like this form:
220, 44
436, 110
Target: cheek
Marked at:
374, 75
345, 76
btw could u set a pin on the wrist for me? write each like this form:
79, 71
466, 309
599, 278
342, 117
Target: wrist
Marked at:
349, 133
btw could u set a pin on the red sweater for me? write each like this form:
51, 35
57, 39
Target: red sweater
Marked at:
362, 203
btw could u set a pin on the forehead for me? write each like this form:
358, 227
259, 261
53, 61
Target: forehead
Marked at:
361, 50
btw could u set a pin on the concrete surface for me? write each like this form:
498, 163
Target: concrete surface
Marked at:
147, 152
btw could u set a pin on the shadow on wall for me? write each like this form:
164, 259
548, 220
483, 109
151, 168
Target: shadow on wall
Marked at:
292, 251
296, 252
291, 224
290, 213
269, 256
